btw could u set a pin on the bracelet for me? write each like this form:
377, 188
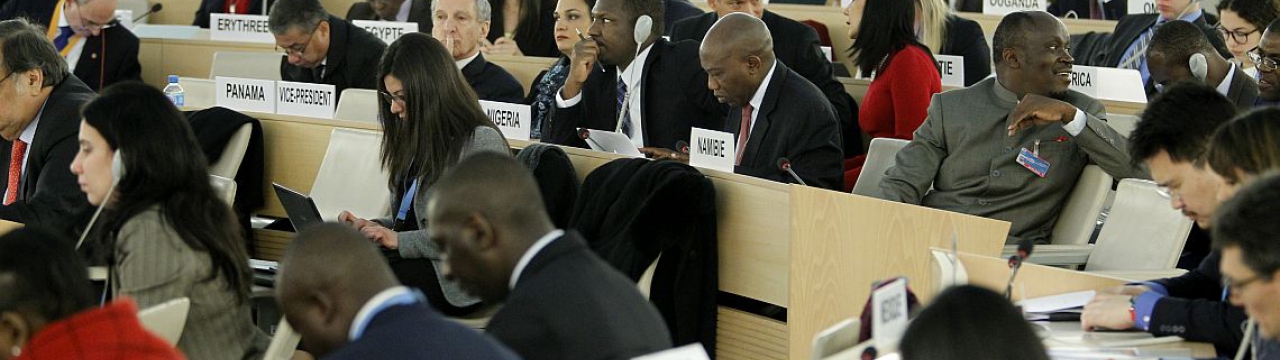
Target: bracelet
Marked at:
1133, 315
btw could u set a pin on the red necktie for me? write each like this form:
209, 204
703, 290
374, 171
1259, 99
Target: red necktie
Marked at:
15, 170
236, 7
744, 133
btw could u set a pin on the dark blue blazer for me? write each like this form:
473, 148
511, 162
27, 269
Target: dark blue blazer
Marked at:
492, 82
417, 332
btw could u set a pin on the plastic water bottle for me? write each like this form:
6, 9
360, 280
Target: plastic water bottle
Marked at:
175, 92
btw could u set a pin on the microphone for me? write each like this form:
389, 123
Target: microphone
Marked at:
682, 147
1015, 263
154, 9
785, 165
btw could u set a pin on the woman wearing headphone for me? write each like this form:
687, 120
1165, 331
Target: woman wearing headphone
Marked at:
430, 119
166, 233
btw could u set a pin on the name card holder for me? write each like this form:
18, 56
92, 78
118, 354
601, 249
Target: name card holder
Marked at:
1004, 7
712, 149
1112, 84
388, 31
306, 99
952, 69
1142, 7
245, 94
515, 120
889, 313
241, 28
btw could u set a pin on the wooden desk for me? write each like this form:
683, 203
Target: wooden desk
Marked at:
812, 251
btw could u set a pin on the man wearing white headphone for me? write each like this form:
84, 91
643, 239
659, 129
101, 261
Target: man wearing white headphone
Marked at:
1180, 52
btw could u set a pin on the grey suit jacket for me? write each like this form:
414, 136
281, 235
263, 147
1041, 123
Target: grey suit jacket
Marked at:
153, 265
1243, 90
416, 244
963, 151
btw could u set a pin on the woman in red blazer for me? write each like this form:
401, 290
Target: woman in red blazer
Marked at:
904, 74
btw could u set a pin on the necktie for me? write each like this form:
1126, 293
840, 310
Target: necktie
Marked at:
63, 38
624, 108
744, 133
1139, 54
15, 171
317, 73
1095, 10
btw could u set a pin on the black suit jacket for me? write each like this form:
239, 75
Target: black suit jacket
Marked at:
108, 58
492, 82
1243, 90
796, 45
676, 10
352, 61
48, 193
1132, 26
1195, 309
215, 6
418, 332
569, 304
965, 39
793, 122
675, 94
419, 12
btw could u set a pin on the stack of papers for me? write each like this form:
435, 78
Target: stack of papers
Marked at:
1057, 307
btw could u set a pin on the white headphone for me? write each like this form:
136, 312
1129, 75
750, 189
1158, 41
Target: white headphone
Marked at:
644, 27
117, 167
1199, 66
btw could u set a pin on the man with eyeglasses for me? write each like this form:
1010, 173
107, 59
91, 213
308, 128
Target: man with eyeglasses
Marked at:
1127, 47
84, 33
1265, 57
414, 11
1248, 237
1171, 140
1180, 52
320, 48
39, 118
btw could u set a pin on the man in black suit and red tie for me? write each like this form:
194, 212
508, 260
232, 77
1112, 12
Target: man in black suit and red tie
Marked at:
775, 112
95, 48
243, 7
39, 119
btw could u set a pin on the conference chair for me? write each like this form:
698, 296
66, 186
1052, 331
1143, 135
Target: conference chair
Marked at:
283, 343
252, 65
228, 165
1076, 221
880, 158
358, 105
1143, 237
351, 176
1124, 124
224, 187
167, 319
199, 93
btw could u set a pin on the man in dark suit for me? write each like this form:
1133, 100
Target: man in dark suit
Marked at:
1266, 56
83, 31
561, 300
414, 11
250, 7
1126, 48
460, 26
778, 114
1180, 52
1171, 140
798, 49
676, 10
655, 102
1250, 246
39, 119
337, 292
324, 49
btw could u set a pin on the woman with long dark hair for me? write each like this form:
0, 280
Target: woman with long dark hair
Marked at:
570, 15
430, 119
168, 233
1241, 23
904, 74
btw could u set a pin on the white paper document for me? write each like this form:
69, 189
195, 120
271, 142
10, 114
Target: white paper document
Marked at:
611, 142
1056, 302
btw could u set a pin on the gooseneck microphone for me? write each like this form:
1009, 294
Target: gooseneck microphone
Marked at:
154, 9
1015, 263
785, 165
682, 147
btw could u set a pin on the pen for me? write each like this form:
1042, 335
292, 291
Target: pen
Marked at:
582, 37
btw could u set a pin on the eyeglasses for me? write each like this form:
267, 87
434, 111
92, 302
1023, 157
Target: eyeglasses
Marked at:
298, 48
1264, 63
1239, 36
390, 98
1237, 286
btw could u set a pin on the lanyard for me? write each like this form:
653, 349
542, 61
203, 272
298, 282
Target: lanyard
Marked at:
55, 30
406, 201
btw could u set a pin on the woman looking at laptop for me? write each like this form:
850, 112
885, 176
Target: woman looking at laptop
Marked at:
430, 119
163, 231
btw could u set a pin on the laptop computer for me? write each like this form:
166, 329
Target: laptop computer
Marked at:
301, 208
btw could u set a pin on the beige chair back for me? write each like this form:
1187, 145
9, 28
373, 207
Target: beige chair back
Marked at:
1142, 232
880, 158
167, 319
251, 65
351, 177
358, 105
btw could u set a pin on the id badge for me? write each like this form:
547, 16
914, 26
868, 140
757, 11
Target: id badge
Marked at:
1032, 162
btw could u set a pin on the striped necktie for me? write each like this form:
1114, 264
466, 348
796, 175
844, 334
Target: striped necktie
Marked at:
63, 38
1139, 54
624, 108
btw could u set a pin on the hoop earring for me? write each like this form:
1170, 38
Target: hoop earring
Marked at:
16, 351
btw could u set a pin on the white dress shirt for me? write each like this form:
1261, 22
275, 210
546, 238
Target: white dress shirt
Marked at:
758, 99
529, 254
633, 76
403, 14
73, 56
464, 62
1225, 85
398, 295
